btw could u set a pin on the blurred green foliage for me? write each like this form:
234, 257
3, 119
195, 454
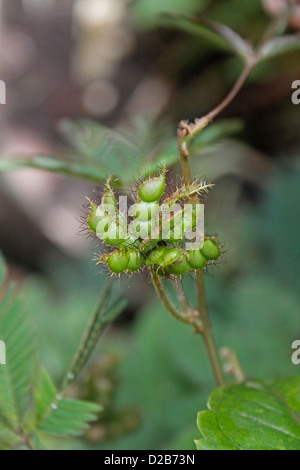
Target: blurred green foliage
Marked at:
153, 375
162, 377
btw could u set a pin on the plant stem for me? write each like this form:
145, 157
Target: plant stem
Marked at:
101, 317
182, 296
233, 365
199, 318
207, 333
187, 131
165, 299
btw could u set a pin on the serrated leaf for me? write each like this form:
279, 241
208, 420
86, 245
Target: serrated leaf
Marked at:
218, 34
60, 416
253, 416
279, 45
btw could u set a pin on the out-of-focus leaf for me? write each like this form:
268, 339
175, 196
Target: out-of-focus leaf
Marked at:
17, 376
278, 46
253, 416
215, 132
145, 12
123, 154
83, 170
60, 416
218, 34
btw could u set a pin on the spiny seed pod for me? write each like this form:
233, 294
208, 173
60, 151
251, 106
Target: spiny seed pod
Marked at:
111, 233
136, 261
141, 229
152, 189
156, 256
210, 249
93, 217
108, 198
188, 191
196, 259
180, 267
118, 261
170, 256
144, 211
143, 239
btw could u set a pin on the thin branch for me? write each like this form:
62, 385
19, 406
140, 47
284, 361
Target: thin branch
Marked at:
233, 366
187, 131
97, 324
208, 336
190, 317
165, 299
182, 297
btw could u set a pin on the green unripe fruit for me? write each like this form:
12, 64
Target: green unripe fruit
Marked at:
94, 217
180, 267
210, 249
109, 199
144, 211
170, 257
152, 189
196, 259
156, 256
189, 219
118, 261
136, 261
112, 234
141, 229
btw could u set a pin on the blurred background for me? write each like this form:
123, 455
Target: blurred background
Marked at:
76, 70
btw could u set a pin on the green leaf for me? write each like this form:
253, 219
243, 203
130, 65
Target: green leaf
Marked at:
279, 45
60, 416
215, 132
17, 376
77, 169
218, 34
253, 416
145, 12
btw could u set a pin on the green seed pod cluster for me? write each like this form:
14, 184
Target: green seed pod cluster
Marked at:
178, 261
123, 261
139, 239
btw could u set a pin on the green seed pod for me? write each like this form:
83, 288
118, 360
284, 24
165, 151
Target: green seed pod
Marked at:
136, 261
118, 261
141, 229
210, 249
180, 267
152, 189
170, 257
144, 211
196, 259
111, 233
109, 198
156, 256
94, 216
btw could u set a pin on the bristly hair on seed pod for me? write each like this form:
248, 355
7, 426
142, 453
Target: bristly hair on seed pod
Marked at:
153, 188
196, 188
126, 250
